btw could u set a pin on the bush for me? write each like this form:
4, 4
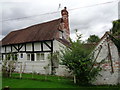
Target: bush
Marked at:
80, 62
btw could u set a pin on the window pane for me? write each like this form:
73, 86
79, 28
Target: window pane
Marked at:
13, 57
38, 56
32, 57
16, 57
8, 56
28, 56
21, 55
42, 56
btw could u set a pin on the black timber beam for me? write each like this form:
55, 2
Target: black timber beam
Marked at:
19, 46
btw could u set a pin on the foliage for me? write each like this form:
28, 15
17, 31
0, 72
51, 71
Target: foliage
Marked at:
52, 82
116, 33
37, 82
80, 62
116, 41
54, 57
8, 66
93, 39
116, 27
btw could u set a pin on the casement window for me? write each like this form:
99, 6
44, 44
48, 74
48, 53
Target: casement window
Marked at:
21, 55
32, 57
14, 56
7, 56
28, 56
40, 56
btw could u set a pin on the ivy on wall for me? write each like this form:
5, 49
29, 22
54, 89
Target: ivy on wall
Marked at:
116, 28
115, 36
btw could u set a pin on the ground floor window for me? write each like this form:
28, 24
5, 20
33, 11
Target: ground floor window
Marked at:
21, 56
9, 56
35, 56
28, 56
40, 56
14, 56
32, 57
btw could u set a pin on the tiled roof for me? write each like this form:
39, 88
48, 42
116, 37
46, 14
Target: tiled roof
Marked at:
39, 32
90, 46
63, 41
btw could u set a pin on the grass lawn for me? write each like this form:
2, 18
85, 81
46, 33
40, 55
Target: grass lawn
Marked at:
39, 81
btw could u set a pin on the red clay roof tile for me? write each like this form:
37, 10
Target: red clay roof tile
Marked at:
39, 32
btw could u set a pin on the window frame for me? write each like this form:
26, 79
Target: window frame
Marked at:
41, 56
21, 55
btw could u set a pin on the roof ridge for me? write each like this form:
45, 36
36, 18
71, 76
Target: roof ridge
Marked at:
37, 32
35, 25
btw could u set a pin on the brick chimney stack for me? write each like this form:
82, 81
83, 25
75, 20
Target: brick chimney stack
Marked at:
65, 23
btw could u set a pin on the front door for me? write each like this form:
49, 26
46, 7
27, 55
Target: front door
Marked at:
32, 57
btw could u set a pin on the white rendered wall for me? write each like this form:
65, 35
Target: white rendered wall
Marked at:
38, 66
61, 70
107, 76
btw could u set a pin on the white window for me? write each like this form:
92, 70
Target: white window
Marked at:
8, 56
14, 56
40, 56
28, 56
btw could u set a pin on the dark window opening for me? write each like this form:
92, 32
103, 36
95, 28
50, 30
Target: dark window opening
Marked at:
32, 57
21, 55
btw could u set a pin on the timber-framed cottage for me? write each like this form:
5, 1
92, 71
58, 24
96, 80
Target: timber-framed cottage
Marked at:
33, 44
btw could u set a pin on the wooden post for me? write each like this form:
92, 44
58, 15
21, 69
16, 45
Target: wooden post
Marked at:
110, 58
52, 66
32, 70
96, 58
58, 78
10, 69
74, 79
21, 70
24, 67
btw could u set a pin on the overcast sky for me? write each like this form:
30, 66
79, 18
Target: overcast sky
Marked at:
95, 19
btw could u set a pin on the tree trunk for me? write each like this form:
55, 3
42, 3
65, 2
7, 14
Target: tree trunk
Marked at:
74, 79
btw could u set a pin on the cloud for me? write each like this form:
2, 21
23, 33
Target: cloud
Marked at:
90, 20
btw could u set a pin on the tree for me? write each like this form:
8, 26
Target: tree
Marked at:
116, 27
8, 66
93, 39
54, 58
80, 61
116, 33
